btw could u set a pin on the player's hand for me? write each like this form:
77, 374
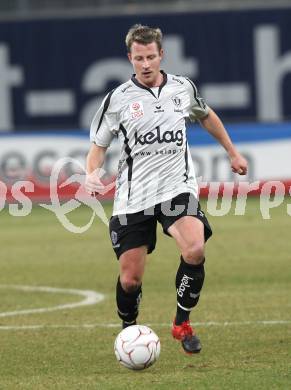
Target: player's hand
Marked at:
239, 164
94, 185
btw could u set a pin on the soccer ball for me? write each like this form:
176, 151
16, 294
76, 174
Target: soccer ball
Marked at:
137, 347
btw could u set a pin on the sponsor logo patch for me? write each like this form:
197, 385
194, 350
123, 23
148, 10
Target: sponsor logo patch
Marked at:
136, 110
158, 109
160, 137
183, 285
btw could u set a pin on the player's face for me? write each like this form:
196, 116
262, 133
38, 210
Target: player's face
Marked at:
146, 60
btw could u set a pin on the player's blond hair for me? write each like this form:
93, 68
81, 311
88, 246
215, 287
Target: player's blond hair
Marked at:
144, 35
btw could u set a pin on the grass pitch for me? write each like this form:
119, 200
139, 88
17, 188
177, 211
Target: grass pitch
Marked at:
243, 318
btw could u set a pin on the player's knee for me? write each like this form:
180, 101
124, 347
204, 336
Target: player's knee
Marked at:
130, 284
194, 253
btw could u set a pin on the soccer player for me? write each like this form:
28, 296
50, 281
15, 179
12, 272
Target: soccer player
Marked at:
156, 179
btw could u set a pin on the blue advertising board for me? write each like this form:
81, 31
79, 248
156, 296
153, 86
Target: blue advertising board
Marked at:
54, 73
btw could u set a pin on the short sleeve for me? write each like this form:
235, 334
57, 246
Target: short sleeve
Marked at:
104, 125
198, 108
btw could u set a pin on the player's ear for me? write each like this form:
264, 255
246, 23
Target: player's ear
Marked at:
162, 53
129, 56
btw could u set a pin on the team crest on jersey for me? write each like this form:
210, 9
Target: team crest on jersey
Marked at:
177, 101
177, 104
136, 110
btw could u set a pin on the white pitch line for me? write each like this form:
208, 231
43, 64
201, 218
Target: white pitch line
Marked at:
91, 298
118, 325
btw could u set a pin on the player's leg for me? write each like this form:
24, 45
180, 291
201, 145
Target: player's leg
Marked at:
131, 242
190, 229
128, 288
188, 233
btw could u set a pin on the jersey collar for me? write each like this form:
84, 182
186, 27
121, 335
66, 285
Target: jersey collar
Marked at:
138, 84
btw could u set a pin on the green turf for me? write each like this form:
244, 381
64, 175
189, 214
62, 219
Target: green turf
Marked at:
248, 279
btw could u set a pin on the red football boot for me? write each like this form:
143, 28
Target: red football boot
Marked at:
186, 334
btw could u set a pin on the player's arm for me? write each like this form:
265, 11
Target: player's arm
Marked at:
95, 160
101, 135
199, 110
215, 127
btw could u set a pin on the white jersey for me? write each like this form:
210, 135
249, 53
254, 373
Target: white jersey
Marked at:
155, 164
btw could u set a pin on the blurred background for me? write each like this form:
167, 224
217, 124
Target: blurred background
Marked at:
58, 59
